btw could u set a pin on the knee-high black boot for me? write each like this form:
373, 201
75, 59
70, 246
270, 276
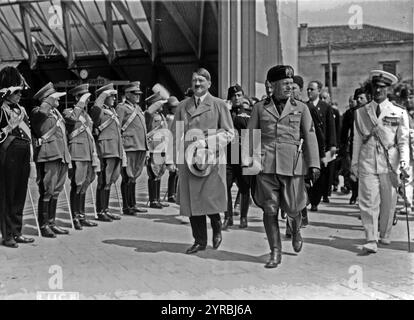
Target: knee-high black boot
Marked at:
152, 194
125, 196
43, 219
52, 218
82, 216
113, 216
271, 224
294, 224
244, 209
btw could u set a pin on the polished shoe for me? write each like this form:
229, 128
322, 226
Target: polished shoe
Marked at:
47, 232
155, 205
345, 190
103, 217
228, 222
243, 223
58, 230
22, 239
394, 220
172, 199
194, 248
87, 223
274, 260
385, 241
352, 200
11, 243
325, 199
113, 216
77, 225
163, 204
217, 240
314, 208
370, 247
139, 210
128, 212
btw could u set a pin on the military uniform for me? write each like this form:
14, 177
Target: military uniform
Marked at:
15, 157
134, 138
379, 126
83, 153
51, 155
107, 129
288, 149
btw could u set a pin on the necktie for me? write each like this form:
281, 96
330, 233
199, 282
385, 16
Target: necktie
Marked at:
198, 101
378, 112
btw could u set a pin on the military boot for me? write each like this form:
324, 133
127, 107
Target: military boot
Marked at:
271, 224
244, 208
125, 197
43, 219
294, 224
152, 194
133, 200
100, 206
75, 208
52, 218
82, 216
113, 216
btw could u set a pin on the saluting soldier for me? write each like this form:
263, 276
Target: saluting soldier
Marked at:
16, 155
288, 149
380, 150
134, 139
51, 155
83, 153
109, 146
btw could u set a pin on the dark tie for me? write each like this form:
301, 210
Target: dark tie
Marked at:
197, 103
378, 112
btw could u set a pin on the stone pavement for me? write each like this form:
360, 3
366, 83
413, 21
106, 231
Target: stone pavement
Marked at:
143, 257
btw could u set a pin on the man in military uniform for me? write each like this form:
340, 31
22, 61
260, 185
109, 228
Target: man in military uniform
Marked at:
380, 151
51, 155
134, 139
109, 147
325, 113
16, 157
288, 149
234, 170
83, 154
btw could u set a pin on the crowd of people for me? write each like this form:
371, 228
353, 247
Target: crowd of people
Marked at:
305, 144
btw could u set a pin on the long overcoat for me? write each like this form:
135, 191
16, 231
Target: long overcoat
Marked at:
202, 195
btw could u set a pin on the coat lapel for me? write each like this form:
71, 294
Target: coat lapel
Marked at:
190, 106
204, 106
287, 109
371, 109
270, 107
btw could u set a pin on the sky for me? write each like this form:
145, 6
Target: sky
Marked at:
392, 14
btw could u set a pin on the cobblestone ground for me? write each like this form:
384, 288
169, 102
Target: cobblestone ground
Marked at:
143, 257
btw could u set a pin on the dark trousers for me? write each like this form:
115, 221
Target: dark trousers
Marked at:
172, 183
234, 174
15, 175
320, 187
199, 227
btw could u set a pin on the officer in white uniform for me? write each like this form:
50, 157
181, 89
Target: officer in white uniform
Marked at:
380, 150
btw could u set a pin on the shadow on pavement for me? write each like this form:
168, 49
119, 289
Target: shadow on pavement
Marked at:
209, 253
336, 225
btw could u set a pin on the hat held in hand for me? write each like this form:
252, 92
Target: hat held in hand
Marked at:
200, 160
160, 93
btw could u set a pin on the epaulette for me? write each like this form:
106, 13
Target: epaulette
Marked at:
293, 101
399, 106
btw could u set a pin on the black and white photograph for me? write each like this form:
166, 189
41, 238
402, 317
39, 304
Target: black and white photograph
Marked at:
206, 154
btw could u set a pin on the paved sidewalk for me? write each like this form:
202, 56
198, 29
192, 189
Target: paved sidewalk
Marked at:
143, 258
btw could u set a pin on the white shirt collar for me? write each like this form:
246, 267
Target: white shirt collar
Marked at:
315, 102
202, 97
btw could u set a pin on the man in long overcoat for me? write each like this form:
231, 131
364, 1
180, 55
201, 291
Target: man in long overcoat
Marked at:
206, 194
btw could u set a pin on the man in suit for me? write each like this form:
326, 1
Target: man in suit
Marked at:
109, 146
134, 139
380, 151
83, 154
234, 170
325, 114
347, 137
202, 187
288, 151
51, 155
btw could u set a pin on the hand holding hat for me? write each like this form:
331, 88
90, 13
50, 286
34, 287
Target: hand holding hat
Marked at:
83, 101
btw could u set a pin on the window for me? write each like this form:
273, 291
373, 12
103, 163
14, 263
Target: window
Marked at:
390, 66
334, 75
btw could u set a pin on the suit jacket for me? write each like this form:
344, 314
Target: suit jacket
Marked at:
108, 141
325, 113
81, 146
392, 126
202, 195
347, 132
134, 138
43, 119
280, 138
